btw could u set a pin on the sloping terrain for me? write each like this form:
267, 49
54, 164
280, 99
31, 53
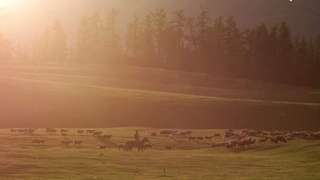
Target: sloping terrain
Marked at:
73, 96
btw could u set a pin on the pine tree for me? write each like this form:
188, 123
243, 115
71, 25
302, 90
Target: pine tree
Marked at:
148, 42
133, 40
112, 50
178, 24
58, 44
159, 19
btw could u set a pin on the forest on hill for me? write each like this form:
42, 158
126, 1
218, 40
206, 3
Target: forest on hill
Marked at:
177, 40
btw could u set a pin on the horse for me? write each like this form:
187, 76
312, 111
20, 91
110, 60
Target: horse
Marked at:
139, 144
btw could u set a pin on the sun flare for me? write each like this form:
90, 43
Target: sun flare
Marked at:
4, 3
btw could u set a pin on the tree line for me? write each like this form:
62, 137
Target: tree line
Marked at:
181, 42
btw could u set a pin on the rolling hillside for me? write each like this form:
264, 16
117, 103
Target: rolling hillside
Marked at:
84, 96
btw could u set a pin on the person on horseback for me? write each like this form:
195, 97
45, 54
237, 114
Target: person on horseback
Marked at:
136, 136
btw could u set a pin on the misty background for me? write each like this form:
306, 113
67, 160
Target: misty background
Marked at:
22, 21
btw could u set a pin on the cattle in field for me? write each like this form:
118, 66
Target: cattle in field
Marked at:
96, 133
80, 131
188, 132
208, 138
274, 141
63, 135
263, 140
121, 146
252, 133
265, 134
281, 139
102, 147
230, 146
64, 130
148, 146
90, 131
13, 130
192, 138
154, 134
290, 138
167, 132
32, 130
21, 131
200, 138
217, 135
213, 145
168, 147
77, 142
245, 131
65, 142
37, 142
105, 137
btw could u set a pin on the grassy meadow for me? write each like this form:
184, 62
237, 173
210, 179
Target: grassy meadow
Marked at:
299, 159
109, 97
68, 95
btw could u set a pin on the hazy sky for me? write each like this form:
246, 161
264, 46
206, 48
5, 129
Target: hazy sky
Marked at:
22, 19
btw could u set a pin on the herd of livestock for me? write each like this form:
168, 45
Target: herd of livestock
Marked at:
229, 138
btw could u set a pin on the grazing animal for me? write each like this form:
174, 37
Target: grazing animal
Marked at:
230, 146
80, 131
37, 142
213, 145
168, 148
290, 138
77, 142
192, 138
63, 135
139, 144
148, 146
121, 146
281, 139
105, 137
64, 130
154, 134
103, 147
265, 134
90, 131
262, 140
200, 138
96, 133
13, 130
208, 138
65, 142
217, 135
274, 141
32, 130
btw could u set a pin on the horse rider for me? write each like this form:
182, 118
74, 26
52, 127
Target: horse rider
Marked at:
136, 136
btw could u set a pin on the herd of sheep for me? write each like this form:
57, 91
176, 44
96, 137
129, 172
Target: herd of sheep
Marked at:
228, 139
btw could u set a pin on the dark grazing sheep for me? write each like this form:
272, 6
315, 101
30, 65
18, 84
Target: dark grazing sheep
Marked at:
90, 131
121, 146
96, 133
13, 130
65, 142
102, 147
77, 142
105, 137
208, 138
64, 130
148, 146
80, 131
200, 138
37, 142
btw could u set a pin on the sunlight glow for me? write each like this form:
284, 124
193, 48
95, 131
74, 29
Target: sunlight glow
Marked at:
6, 3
